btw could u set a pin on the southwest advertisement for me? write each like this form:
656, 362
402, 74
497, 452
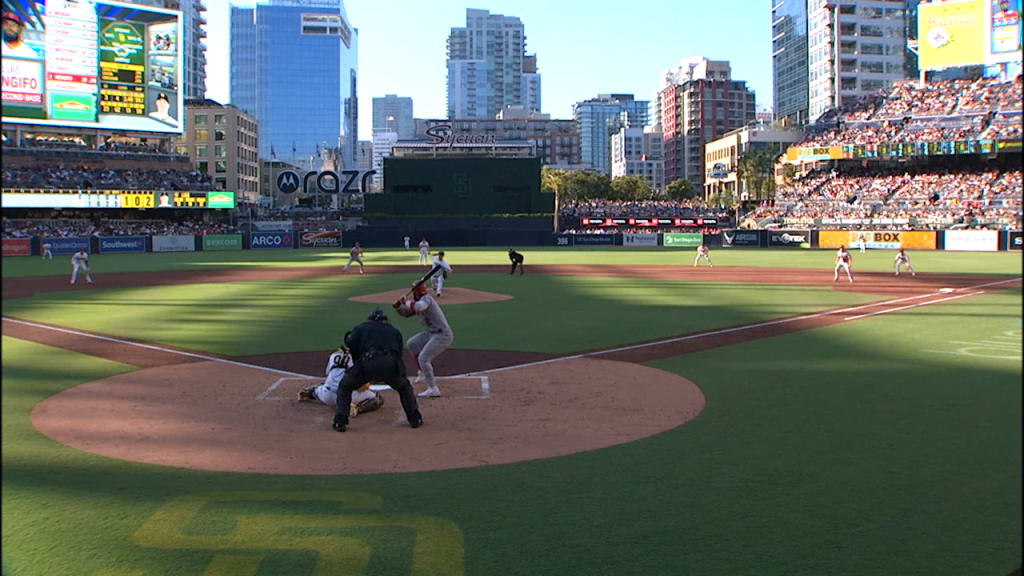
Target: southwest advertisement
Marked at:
102, 64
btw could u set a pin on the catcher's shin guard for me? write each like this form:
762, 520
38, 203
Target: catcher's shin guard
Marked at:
368, 405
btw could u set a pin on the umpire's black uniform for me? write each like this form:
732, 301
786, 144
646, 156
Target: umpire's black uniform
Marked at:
517, 260
376, 348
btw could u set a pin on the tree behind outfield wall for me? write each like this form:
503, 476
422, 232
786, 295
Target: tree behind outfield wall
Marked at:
575, 185
631, 188
754, 170
680, 189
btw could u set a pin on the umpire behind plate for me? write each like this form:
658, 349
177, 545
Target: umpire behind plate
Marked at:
376, 348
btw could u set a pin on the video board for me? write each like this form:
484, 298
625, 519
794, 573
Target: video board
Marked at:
954, 33
92, 63
111, 199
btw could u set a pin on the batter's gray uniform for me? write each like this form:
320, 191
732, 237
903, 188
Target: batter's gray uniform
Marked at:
435, 338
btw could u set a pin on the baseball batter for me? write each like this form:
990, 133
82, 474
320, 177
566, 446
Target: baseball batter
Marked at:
435, 338
355, 255
843, 262
437, 280
80, 261
903, 260
703, 252
47, 251
363, 400
424, 250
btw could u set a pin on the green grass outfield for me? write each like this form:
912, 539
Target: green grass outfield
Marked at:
888, 445
926, 261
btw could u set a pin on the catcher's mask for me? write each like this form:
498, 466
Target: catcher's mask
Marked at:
378, 315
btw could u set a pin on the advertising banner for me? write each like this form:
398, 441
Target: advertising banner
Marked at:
951, 34
639, 239
682, 240
789, 238
17, 246
261, 240
65, 245
878, 239
222, 242
180, 243
564, 239
110, 244
1014, 240
594, 240
751, 238
918, 239
972, 240
272, 226
321, 239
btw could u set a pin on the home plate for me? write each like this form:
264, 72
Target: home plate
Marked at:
947, 289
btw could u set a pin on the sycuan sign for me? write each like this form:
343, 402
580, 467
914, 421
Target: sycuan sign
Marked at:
442, 136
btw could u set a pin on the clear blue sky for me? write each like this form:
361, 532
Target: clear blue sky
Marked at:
583, 47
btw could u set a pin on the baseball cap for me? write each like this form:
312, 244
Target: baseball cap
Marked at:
12, 16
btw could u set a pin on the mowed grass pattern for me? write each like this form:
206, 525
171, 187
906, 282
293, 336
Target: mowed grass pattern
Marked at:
875, 447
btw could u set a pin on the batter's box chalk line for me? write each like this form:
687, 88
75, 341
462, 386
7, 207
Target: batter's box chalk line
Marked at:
485, 387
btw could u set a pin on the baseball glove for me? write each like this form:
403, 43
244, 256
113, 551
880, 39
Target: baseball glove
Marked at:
444, 274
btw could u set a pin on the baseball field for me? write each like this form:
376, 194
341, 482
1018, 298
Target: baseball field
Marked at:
613, 411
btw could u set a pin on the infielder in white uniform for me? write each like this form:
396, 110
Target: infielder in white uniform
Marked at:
405, 242
862, 240
436, 336
424, 250
80, 261
703, 252
437, 280
47, 251
355, 255
903, 260
843, 261
363, 399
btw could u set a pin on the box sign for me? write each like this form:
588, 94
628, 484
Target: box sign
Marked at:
17, 246
179, 243
260, 240
65, 245
213, 242
112, 244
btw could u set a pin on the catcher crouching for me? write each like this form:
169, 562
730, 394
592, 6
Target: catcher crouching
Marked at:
363, 400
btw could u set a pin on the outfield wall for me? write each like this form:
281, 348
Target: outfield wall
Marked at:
953, 240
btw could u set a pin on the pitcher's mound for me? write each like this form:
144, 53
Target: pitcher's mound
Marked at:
451, 295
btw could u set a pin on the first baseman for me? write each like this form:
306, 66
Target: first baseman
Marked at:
80, 260
843, 261
903, 260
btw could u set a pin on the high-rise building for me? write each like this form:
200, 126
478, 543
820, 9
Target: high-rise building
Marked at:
383, 144
698, 102
488, 68
789, 60
637, 151
855, 48
223, 141
598, 118
293, 67
193, 49
364, 156
556, 142
393, 114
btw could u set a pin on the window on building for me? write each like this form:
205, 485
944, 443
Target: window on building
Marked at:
202, 135
875, 49
220, 166
200, 119
220, 135
219, 119
202, 167
221, 183
201, 151
220, 151
871, 31
872, 66
181, 150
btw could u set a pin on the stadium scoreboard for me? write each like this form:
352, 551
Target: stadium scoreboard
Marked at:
115, 199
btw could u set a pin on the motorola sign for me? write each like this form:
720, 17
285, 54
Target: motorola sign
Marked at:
327, 182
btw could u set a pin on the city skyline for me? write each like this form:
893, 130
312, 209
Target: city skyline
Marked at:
636, 56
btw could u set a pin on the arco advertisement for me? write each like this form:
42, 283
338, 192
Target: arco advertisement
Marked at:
265, 240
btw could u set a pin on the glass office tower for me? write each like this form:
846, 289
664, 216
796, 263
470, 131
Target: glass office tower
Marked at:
293, 67
789, 60
598, 118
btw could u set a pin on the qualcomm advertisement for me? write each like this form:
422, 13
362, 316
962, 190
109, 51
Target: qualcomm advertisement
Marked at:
122, 244
65, 245
271, 240
92, 63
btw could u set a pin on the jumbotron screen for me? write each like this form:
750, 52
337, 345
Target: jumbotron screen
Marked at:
92, 63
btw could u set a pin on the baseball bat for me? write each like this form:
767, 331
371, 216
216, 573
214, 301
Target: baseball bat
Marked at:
420, 282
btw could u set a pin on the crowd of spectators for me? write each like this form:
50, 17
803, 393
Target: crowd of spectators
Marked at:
92, 178
570, 213
82, 227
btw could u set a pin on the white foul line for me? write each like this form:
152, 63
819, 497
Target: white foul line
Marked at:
158, 348
740, 328
965, 295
